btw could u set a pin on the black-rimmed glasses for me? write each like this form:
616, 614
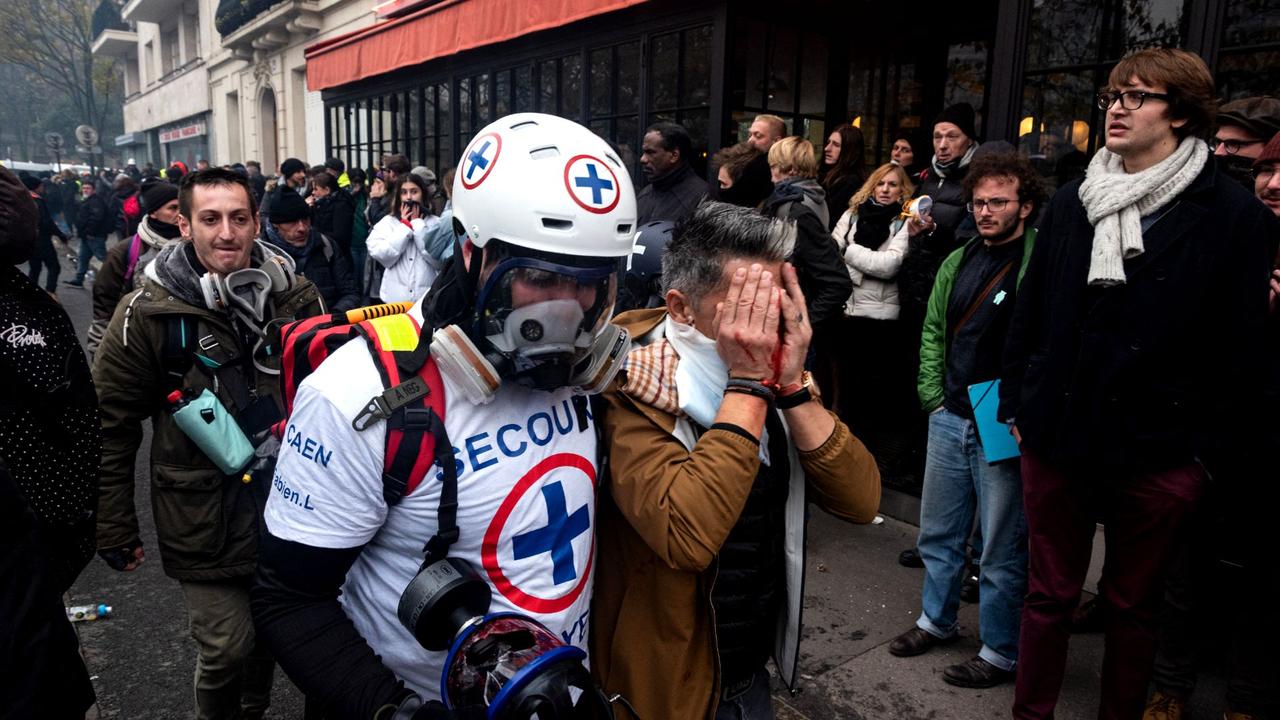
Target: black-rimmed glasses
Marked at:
1129, 99
1231, 146
994, 205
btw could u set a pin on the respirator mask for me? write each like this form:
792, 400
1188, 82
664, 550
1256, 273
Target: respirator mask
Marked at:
243, 294
508, 664
541, 324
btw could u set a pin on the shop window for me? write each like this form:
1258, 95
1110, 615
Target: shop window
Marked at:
502, 94
627, 78
480, 86
779, 70
571, 87
524, 88
680, 85
1249, 59
547, 83
1073, 46
444, 147
614, 80
664, 71
465, 109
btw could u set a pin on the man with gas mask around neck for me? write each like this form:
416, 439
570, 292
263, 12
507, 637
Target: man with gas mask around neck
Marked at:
715, 435
197, 326
517, 323
122, 272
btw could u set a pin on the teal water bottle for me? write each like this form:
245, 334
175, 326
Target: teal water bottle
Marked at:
212, 429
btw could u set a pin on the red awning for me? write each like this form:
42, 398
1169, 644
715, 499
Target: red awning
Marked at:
443, 29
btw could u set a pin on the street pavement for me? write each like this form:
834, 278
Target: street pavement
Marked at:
858, 599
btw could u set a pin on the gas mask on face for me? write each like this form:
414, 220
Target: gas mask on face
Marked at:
540, 324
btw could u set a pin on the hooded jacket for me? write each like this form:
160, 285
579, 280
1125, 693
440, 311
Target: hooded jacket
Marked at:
206, 522
672, 497
823, 278
874, 273
116, 278
402, 250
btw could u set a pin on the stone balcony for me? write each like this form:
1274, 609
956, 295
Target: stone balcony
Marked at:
275, 27
152, 11
121, 44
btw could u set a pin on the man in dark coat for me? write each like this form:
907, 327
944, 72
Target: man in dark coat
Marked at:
316, 256
45, 255
94, 222
674, 189
332, 211
207, 520
1133, 368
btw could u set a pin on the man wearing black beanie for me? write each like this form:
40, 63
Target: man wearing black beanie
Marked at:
316, 256
122, 271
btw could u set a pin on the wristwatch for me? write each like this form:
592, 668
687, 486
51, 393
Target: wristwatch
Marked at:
795, 394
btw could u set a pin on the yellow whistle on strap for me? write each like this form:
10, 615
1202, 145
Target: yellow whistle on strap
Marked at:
376, 311
248, 478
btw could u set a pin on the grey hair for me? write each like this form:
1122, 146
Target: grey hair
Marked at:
714, 234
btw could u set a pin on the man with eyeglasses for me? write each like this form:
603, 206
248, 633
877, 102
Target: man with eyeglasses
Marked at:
1132, 369
964, 336
1244, 126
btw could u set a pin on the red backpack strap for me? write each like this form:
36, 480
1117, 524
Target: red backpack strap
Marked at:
413, 405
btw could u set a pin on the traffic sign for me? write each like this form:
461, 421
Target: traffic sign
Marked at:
87, 135
53, 140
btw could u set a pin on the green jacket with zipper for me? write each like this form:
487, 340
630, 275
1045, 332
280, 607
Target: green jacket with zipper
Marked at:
933, 338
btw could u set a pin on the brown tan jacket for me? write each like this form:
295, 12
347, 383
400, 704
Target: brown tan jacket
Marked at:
669, 504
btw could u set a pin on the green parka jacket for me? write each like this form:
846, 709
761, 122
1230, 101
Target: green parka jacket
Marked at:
933, 338
207, 522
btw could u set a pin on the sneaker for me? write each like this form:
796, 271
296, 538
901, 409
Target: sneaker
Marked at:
976, 673
917, 642
1163, 707
74, 283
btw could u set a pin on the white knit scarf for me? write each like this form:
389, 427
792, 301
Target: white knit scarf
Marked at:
1116, 202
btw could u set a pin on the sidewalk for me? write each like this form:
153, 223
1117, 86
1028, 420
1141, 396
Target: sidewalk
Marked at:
858, 598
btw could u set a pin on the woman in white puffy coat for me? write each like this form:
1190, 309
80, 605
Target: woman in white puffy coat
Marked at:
875, 393
398, 243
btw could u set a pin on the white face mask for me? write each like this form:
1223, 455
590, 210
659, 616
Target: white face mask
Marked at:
701, 377
701, 374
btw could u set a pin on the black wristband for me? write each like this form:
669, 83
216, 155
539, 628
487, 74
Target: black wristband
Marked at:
795, 399
750, 387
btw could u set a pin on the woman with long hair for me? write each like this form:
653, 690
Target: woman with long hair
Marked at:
842, 169
398, 242
875, 390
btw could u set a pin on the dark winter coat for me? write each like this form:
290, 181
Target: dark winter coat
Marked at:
326, 266
1159, 372
206, 522
44, 675
334, 215
49, 433
823, 277
377, 209
925, 253
94, 219
48, 230
671, 197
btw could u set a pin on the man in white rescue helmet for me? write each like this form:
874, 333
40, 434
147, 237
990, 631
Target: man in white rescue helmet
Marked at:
518, 325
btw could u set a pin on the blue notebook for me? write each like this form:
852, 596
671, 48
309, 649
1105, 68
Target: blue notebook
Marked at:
997, 442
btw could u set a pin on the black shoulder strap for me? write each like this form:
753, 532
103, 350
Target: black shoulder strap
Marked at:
179, 348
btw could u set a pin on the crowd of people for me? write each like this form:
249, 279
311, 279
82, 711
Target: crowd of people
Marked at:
634, 476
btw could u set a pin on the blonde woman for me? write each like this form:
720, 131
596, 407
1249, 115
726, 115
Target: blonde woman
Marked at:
874, 391
799, 198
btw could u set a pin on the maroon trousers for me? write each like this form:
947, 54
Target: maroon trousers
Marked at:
1143, 516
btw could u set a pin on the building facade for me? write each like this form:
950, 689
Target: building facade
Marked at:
1030, 68
425, 82
203, 83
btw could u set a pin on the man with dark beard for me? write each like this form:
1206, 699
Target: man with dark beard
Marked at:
964, 333
121, 273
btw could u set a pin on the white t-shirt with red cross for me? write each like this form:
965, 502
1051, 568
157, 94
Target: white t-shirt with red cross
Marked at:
527, 475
